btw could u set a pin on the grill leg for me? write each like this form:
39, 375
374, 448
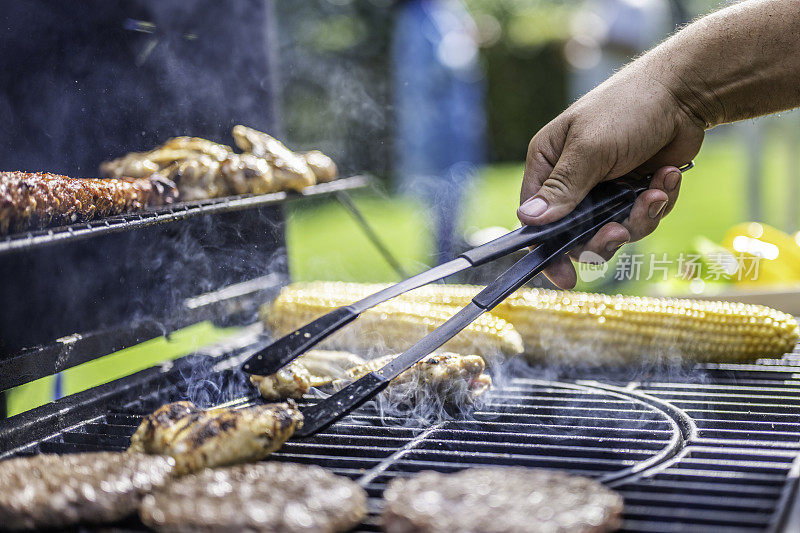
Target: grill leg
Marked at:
376, 241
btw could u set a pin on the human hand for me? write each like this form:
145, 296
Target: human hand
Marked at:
631, 123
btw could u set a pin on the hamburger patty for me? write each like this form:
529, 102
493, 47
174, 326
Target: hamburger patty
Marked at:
270, 496
495, 500
60, 490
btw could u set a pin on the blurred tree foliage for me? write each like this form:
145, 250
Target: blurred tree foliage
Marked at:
526, 74
335, 57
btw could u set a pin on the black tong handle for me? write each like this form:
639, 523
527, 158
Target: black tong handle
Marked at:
602, 197
596, 205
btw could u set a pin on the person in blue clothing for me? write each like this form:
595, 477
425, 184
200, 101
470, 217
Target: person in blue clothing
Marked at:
438, 100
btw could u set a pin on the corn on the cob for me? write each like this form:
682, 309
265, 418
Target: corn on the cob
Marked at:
605, 328
390, 327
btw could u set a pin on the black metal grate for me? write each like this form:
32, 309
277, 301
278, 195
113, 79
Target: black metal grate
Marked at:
717, 449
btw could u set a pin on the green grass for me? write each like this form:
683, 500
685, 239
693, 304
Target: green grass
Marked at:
324, 243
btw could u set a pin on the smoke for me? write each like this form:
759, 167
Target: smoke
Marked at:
196, 379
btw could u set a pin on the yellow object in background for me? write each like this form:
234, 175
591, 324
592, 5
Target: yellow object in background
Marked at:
776, 253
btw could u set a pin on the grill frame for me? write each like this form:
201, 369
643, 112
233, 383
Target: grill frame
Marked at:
707, 472
85, 290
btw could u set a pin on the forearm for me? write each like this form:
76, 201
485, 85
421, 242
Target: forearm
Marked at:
738, 63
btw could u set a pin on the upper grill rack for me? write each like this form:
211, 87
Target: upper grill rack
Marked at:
28, 240
716, 449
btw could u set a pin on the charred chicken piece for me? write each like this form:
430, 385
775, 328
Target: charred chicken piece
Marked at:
500, 500
291, 170
49, 491
36, 199
314, 368
268, 497
198, 438
323, 166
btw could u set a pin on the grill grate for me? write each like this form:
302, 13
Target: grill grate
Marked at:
715, 449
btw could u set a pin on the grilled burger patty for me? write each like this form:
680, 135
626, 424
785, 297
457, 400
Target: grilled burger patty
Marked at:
60, 490
495, 500
39, 199
198, 438
270, 496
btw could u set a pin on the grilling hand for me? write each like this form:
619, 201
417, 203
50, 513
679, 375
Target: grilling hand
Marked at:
628, 124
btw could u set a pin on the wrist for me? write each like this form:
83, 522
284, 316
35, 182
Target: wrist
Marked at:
689, 91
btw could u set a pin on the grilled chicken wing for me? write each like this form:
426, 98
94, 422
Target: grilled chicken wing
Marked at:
204, 169
246, 173
291, 170
314, 368
446, 374
198, 438
196, 144
323, 166
197, 177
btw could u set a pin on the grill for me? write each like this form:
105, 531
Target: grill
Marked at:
710, 448
714, 448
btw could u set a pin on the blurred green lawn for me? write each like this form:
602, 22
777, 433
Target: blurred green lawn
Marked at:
325, 243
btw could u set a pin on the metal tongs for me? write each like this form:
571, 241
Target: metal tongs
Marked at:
609, 201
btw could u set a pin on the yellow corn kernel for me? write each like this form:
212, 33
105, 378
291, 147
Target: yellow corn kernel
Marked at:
607, 328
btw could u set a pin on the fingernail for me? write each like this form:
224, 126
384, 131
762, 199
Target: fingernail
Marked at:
533, 207
613, 246
656, 209
672, 180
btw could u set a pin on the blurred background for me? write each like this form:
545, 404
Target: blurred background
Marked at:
439, 99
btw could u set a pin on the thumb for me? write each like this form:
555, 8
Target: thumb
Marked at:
578, 170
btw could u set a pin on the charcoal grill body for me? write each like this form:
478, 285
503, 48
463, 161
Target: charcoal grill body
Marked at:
74, 293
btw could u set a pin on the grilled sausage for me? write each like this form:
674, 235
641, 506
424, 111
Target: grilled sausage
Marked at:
37, 199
